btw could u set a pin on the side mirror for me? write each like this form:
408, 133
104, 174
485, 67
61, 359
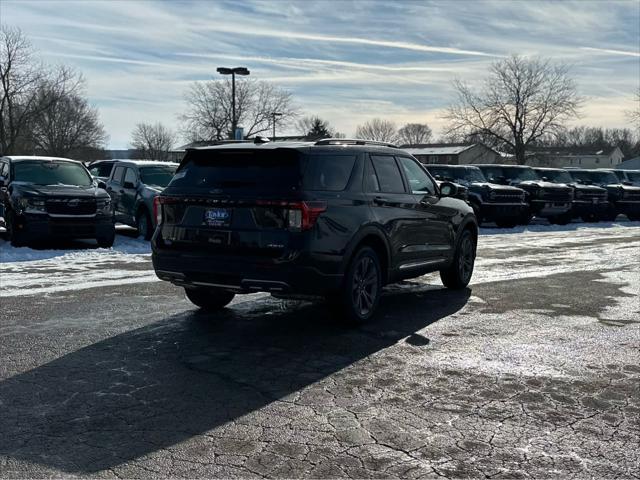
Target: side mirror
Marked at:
102, 185
448, 189
627, 182
129, 185
545, 179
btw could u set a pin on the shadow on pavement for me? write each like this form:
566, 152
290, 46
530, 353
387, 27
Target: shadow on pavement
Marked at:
153, 387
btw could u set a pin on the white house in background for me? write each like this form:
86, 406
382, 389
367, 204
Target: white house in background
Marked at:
561, 157
453, 153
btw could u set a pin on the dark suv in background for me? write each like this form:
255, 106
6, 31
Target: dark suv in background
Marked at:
545, 199
48, 197
491, 202
334, 218
623, 199
590, 202
133, 184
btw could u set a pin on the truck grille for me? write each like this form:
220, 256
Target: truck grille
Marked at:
591, 195
632, 196
508, 197
557, 194
71, 206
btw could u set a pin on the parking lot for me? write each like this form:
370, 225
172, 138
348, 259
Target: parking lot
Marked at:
532, 371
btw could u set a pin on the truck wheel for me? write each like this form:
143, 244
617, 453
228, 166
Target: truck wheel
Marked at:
360, 294
525, 218
17, 239
209, 299
590, 217
458, 274
106, 241
502, 223
560, 219
144, 225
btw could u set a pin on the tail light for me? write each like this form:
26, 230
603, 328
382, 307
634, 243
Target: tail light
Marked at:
300, 215
303, 215
157, 207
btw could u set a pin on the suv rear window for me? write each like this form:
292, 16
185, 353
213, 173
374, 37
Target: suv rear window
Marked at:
264, 171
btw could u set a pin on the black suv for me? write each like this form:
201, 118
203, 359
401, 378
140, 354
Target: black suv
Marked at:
589, 202
623, 198
334, 218
47, 197
491, 202
545, 199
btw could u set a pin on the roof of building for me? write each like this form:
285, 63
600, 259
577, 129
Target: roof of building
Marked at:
571, 151
437, 148
629, 164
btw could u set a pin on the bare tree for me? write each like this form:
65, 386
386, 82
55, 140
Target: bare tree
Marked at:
414, 134
23, 80
521, 101
634, 114
379, 130
315, 127
68, 127
152, 141
209, 109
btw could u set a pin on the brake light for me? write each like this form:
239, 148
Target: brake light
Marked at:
157, 210
157, 207
303, 215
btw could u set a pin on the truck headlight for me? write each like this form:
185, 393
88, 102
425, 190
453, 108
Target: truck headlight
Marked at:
32, 205
104, 206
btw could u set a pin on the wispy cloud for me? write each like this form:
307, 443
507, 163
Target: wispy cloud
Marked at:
611, 51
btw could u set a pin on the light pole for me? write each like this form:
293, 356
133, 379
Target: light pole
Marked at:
274, 115
233, 72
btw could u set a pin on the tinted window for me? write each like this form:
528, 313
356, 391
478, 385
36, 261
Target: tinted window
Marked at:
634, 176
130, 176
556, 176
370, 183
328, 172
521, 174
601, 177
419, 181
117, 174
492, 173
101, 169
389, 177
159, 176
4, 169
51, 173
255, 171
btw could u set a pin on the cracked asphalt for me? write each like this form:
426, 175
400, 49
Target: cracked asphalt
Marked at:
533, 371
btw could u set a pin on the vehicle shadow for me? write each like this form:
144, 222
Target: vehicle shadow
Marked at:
150, 388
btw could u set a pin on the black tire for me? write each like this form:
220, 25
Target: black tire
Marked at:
362, 287
17, 239
107, 240
510, 223
209, 299
144, 224
560, 219
525, 218
590, 217
610, 215
458, 274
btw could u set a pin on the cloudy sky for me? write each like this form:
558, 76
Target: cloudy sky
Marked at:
345, 61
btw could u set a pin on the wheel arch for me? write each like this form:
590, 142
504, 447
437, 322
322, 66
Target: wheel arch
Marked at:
374, 238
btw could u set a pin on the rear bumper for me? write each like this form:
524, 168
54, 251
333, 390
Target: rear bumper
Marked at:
492, 211
242, 276
42, 227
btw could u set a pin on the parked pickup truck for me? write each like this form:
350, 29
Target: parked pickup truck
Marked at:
545, 199
133, 184
502, 204
623, 199
590, 202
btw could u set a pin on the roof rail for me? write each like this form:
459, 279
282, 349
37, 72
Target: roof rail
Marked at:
352, 141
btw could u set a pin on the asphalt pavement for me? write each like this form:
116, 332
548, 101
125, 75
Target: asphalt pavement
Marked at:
533, 371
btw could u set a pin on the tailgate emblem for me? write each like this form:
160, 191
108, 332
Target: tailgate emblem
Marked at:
216, 217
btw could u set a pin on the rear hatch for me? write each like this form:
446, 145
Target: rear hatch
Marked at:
243, 202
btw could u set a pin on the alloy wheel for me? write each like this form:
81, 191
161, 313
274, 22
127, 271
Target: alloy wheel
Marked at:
364, 288
466, 258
